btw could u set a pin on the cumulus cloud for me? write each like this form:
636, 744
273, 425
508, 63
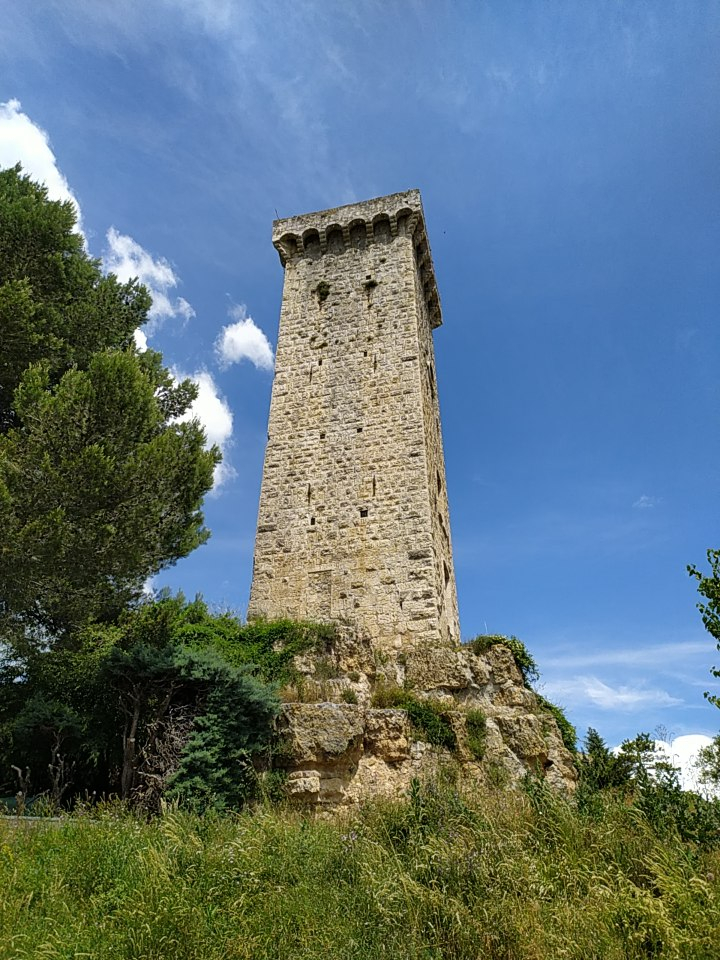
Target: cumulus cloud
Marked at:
214, 413
580, 690
22, 141
127, 259
141, 341
683, 753
243, 340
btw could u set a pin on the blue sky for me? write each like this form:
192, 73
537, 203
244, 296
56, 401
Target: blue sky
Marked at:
567, 155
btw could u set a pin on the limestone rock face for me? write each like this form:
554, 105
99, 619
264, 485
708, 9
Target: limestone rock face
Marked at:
338, 753
387, 735
322, 732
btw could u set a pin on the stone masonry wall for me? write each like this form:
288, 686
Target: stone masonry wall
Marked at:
353, 522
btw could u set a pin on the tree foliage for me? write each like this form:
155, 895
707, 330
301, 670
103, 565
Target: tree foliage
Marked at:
709, 589
56, 306
100, 485
151, 702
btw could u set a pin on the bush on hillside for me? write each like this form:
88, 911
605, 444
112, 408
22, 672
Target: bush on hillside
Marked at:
523, 658
428, 719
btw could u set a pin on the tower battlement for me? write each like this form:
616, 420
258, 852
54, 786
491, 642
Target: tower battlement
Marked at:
357, 225
353, 522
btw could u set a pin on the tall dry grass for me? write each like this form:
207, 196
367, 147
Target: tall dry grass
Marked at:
440, 875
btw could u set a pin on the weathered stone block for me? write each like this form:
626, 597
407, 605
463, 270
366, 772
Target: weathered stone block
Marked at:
441, 667
387, 734
320, 732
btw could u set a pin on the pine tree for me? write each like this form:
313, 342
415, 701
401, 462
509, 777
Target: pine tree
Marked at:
100, 485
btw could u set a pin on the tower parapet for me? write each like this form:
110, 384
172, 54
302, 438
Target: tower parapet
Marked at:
353, 522
358, 225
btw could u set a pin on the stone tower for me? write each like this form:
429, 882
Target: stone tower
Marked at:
353, 522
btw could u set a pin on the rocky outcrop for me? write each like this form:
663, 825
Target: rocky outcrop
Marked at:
337, 753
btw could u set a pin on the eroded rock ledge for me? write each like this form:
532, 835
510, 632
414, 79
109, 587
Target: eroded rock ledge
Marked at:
338, 753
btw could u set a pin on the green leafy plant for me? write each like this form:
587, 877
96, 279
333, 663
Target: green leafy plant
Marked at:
567, 730
476, 733
524, 660
709, 589
269, 647
428, 719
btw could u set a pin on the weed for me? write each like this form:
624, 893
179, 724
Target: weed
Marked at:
567, 730
429, 719
322, 291
443, 874
476, 732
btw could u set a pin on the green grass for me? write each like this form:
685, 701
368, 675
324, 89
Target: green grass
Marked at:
428, 718
476, 732
517, 876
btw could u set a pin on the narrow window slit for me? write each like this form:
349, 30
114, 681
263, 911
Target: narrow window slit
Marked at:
363, 511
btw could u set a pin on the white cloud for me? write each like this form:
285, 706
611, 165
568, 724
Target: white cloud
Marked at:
214, 413
647, 656
243, 340
140, 340
683, 752
646, 503
127, 259
22, 141
579, 690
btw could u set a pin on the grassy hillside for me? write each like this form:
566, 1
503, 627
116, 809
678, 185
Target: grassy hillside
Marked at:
439, 875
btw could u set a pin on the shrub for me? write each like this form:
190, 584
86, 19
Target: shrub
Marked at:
524, 660
567, 730
349, 696
429, 720
216, 765
270, 646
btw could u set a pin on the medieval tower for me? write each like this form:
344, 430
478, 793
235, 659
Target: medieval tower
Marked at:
353, 522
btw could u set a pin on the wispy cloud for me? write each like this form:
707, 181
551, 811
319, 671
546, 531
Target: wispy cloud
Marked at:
243, 340
125, 258
22, 141
625, 698
646, 503
649, 655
